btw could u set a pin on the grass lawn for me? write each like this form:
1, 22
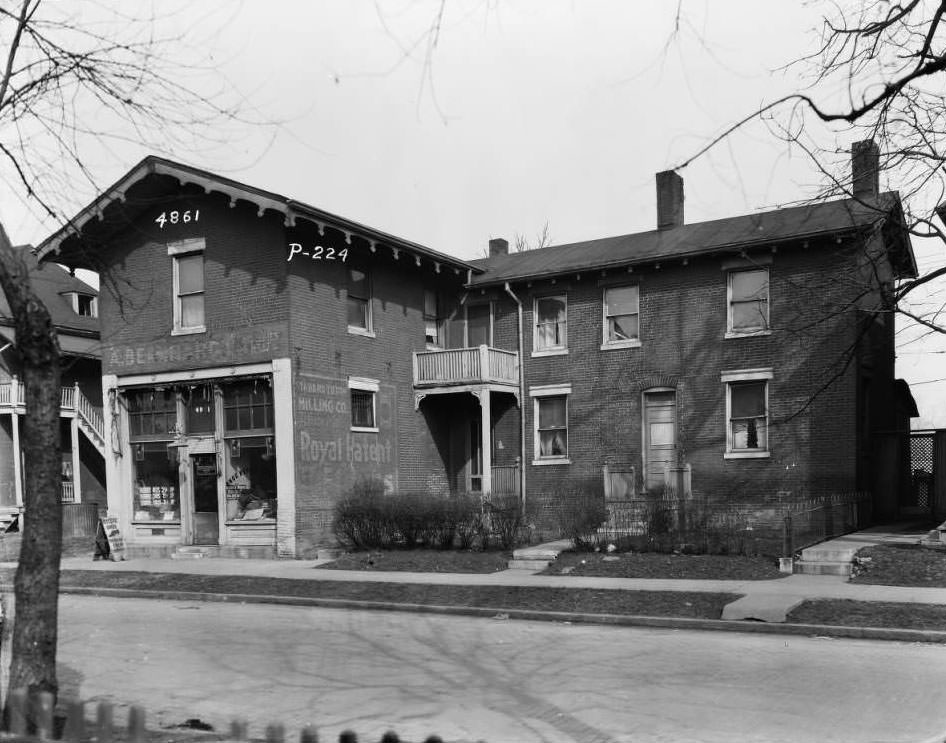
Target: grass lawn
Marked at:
657, 565
870, 614
593, 601
422, 561
901, 565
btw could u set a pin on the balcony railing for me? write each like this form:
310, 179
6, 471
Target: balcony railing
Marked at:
455, 366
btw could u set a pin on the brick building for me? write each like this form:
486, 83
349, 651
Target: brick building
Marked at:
260, 355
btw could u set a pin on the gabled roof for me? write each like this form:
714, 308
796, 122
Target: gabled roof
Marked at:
53, 285
721, 235
180, 175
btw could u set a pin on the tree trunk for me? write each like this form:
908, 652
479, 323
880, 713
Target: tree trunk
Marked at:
36, 585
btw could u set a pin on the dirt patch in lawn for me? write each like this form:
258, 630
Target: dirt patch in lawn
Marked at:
592, 601
844, 613
900, 565
422, 561
657, 565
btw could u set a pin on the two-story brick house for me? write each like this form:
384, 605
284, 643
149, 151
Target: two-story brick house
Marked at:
260, 355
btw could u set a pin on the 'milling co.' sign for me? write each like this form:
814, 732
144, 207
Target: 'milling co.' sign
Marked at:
257, 344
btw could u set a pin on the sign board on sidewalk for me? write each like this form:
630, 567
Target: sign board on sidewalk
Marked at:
108, 540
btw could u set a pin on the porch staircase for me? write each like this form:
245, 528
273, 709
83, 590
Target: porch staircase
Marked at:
90, 420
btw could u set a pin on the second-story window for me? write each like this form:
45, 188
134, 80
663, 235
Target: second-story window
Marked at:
188, 258
364, 396
433, 321
359, 301
621, 316
551, 323
748, 302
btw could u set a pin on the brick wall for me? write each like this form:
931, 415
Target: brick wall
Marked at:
813, 431
409, 450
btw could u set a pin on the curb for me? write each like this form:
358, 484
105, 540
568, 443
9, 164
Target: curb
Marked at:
620, 620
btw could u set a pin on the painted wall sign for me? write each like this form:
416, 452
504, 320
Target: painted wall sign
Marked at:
226, 347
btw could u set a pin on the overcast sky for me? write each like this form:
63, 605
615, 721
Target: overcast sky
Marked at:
525, 113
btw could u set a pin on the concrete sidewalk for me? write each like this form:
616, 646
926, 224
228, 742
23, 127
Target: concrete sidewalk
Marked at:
764, 600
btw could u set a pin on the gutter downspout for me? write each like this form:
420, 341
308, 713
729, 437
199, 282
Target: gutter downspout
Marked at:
522, 405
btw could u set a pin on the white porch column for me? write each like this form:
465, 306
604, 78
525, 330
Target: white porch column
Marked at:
486, 440
17, 453
76, 483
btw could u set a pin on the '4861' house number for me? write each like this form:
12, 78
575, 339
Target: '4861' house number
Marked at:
177, 216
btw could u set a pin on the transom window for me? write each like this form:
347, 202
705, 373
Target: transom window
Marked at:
749, 301
248, 406
621, 316
152, 414
551, 323
359, 300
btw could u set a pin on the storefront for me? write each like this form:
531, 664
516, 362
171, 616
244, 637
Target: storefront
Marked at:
202, 459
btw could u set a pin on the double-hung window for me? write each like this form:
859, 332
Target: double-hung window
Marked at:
364, 408
433, 322
747, 413
551, 324
748, 310
550, 420
621, 317
359, 301
188, 279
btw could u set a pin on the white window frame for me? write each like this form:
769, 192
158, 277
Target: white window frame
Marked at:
747, 375
735, 333
559, 350
538, 393
369, 303
466, 322
606, 343
364, 384
185, 249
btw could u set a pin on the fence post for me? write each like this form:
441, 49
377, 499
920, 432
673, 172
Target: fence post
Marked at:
43, 714
75, 723
787, 550
103, 723
16, 703
309, 735
136, 725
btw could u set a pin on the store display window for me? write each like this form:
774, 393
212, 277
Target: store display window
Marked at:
251, 478
157, 494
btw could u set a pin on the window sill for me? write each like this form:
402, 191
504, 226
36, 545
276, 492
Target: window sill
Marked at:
364, 429
546, 462
189, 331
353, 330
615, 345
746, 334
746, 455
550, 352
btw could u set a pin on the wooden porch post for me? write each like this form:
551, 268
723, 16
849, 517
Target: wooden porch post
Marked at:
486, 440
17, 452
74, 433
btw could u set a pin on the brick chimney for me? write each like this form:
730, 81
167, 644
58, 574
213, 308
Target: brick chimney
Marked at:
865, 169
498, 246
669, 200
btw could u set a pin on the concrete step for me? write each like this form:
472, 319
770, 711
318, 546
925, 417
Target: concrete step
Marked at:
828, 554
190, 553
823, 567
547, 551
533, 565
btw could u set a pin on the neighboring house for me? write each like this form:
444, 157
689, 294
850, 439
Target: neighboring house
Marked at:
267, 354
73, 307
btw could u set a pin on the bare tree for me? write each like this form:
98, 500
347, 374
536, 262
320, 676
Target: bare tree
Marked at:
542, 239
889, 62
78, 80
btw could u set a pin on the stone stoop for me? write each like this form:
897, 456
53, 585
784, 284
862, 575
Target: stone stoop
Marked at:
538, 558
826, 560
192, 553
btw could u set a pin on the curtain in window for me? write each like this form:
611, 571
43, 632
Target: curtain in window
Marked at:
550, 322
553, 431
747, 414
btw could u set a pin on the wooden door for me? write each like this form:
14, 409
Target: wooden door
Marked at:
660, 436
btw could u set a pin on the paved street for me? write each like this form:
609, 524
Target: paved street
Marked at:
498, 680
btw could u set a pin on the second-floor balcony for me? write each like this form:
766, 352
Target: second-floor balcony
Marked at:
464, 366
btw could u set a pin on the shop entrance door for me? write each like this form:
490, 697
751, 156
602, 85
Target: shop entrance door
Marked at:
206, 509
